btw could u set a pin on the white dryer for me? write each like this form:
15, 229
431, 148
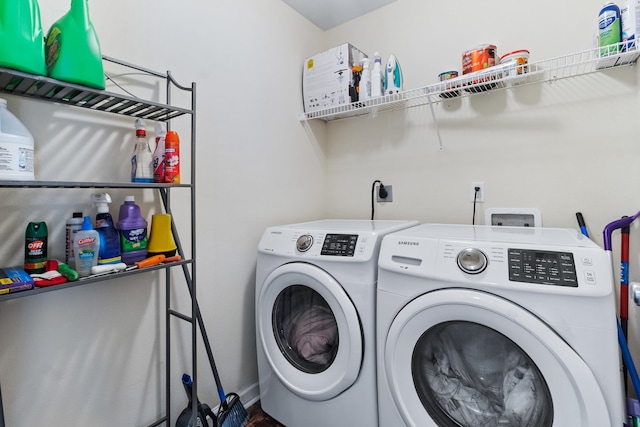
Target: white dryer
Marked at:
496, 326
315, 321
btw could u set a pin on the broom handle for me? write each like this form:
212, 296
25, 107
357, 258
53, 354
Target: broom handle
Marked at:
203, 332
207, 345
1, 410
624, 290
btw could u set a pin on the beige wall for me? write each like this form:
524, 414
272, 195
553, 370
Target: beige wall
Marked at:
92, 355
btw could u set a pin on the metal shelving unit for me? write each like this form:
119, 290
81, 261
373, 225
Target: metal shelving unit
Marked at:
45, 89
497, 77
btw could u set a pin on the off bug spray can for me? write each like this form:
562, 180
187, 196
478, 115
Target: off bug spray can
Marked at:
35, 247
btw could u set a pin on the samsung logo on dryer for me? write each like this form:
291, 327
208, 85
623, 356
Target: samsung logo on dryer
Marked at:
408, 243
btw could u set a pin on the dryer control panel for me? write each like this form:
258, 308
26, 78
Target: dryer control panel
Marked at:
339, 245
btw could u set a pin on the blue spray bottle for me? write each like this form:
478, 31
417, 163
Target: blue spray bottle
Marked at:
109, 237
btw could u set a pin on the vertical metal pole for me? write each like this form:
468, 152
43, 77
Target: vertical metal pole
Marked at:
194, 301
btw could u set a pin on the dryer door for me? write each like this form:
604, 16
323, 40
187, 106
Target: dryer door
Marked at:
458, 357
310, 331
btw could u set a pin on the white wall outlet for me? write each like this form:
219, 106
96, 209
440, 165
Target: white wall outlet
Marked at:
477, 196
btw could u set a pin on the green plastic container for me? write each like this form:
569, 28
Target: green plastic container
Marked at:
21, 38
72, 48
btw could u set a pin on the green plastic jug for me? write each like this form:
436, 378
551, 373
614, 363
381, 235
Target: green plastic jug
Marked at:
72, 48
21, 38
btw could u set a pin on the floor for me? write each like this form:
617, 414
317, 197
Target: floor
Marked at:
257, 418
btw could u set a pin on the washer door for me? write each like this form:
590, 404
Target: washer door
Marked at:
457, 357
310, 331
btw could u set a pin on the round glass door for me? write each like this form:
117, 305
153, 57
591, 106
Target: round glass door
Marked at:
467, 374
310, 331
305, 329
459, 357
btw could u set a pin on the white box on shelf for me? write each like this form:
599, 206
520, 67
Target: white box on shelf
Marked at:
327, 76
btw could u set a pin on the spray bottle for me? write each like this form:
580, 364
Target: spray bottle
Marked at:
109, 237
365, 80
377, 77
158, 153
142, 159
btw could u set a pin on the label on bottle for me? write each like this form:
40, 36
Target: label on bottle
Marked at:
133, 240
52, 47
158, 161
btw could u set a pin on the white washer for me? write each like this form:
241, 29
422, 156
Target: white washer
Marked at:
315, 321
496, 326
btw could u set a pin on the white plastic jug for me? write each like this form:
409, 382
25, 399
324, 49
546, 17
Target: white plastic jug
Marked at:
17, 154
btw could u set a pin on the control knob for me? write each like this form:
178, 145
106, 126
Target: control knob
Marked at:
304, 242
472, 261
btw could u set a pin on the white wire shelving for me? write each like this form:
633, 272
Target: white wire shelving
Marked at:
500, 76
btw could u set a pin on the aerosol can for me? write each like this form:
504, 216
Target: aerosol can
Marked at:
393, 76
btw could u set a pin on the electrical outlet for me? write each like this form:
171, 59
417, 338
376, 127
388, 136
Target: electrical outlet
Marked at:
479, 197
389, 197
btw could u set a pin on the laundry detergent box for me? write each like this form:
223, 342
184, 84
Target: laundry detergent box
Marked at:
327, 76
14, 279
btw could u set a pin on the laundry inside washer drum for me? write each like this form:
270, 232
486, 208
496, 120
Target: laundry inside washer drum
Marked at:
468, 374
305, 329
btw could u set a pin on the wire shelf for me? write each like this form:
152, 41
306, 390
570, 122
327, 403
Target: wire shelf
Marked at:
44, 88
498, 77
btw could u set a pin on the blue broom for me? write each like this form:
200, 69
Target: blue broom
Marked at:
231, 412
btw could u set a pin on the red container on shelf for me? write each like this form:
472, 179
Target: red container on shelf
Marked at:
479, 58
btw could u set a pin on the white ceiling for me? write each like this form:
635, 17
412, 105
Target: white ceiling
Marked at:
327, 14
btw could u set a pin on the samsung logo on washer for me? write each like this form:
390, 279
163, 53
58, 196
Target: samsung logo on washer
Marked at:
408, 243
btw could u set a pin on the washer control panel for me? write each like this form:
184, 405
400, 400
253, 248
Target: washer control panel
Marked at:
542, 267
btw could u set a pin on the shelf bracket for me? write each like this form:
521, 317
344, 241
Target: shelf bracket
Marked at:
435, 122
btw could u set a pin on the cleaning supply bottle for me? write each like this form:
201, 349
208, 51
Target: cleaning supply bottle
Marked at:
365, 80
393, 77
86, 248
158, 153
17, 148
142, 160
109, 238
172, 158
21, 37
133, 232
377, 77
72, 48
74, 224
35, 247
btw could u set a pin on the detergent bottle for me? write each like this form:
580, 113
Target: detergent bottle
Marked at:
21, 37
133, 232
72, 49
109, 238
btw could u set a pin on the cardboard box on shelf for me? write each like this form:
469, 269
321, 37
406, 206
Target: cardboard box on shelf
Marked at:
326, 77
14, 279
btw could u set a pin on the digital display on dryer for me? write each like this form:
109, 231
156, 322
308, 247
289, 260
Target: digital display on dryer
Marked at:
339, 245
542, 267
